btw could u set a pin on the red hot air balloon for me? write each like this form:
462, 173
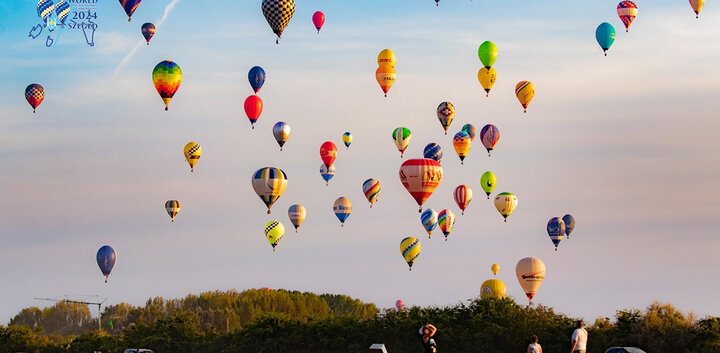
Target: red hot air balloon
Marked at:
318, 20
34, 94
399, 305
421, 177
463, 196
253, 108
328, 152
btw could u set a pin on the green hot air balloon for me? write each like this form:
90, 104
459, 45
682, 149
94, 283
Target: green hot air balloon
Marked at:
488, 182
488, 53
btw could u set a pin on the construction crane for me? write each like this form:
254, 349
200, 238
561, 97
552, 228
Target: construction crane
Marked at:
98, 303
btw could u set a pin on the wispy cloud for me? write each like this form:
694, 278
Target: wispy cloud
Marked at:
139, 44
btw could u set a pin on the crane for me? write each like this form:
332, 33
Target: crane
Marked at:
98, 303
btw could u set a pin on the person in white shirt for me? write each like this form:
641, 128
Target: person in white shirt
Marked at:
534, 347
579, 338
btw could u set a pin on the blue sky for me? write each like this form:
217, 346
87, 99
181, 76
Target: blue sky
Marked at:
627, 143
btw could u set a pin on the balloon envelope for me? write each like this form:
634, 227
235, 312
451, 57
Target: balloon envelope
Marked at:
506, 203
342, 208
556, 230
470, 129
399, 304
148, 31
328, 152
463, 196
281, 132
489, 135
420, 177
433, 151
488, 53
278, 14
605, 35
318, 19
446, 114
192, 152
493, 288
495, 268
410, 249
106, 257
34, 94
274, 231
530, 272
172, 207
487, 78
256, 77
627, 10
327, 173
697, 5
462, 144
297, 214
347, 139
269, 184
386, 57
446, 221
402, 136
385, 76
525, 92
488, 182
129, 6
371, 189
167, 77
569, 221
429, 219
253, 108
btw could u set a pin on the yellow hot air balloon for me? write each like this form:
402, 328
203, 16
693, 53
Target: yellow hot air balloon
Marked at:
274, 231
495, 268
506, 202
269, 184
494, 288
487, 79
385, 76
192, 152
386, 58
462, 143
530, 272
172, 207
697, 5
410, 249
525, 91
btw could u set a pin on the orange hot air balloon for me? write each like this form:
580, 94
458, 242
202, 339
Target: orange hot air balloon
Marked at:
385, 76
421, 177
253, 108
328, 152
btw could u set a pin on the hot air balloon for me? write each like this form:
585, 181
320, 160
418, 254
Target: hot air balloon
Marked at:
327, 173
129, 6
489, 135
385, 76
569, 221
399, 305
347, 139
421, 177
297, 214
470, 129
192, 152
402, 136
493, 288
446, 221
429, 219
556, 230
446, 114
433, 151
256, 77
697, 5
342, 208
605, 35
253, 108
462, 144
148, 31
627, 10
269, 184
530, 272
318, 19
495, 268
371, 189
274, 231
106, 257
488, 182
173, 208
386, 58
525, 91
281, 131
410, 249
278, 14
437, 2
488, 53
167, 77
487, 78
328, 152
34, 94
506, 202
463, 196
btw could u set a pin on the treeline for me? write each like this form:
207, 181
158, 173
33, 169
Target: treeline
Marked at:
282, 321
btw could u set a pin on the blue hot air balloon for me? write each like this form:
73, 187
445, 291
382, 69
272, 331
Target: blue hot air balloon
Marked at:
569, 221
433, 151
429, 219
605, 35
106, 257
256, 76
556, 230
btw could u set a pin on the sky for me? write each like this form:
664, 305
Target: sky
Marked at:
629, 144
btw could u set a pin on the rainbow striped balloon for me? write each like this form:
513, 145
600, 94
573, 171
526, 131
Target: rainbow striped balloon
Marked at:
446, 221
167, 77
371, 189
627, 10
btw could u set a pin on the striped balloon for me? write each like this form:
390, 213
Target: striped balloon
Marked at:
420, 177
327, 173
463, 196
172, 207
446, 114
269, 184
433, 151
34, 94
627, 10
489, 135
556, 230
525, 92
429, 219
129, 6
371, 189
446, 221
297, 214
462, 144
342, 208
402, 136
410, 249
167, 77
281, 131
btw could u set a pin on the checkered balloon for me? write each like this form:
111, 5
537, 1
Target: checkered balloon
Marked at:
278, 14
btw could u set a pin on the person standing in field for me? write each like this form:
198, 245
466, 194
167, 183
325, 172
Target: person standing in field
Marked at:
427, 332
534, 346
579, 338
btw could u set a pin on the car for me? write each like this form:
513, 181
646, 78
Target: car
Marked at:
624, 350
138, 350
